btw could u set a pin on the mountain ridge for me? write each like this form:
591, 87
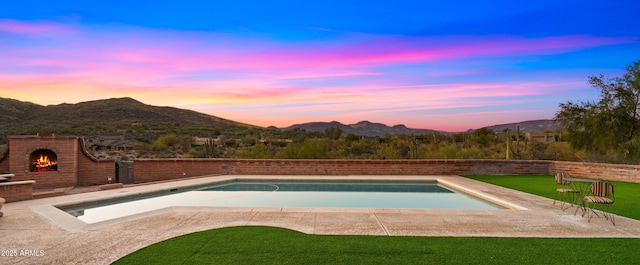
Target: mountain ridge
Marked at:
362, 128
529, 126
117, 115
372, 129
108, 117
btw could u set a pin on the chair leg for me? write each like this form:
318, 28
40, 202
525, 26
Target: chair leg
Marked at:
560, 196
606, 211
564, 201
591, 210
581, 206
612, 216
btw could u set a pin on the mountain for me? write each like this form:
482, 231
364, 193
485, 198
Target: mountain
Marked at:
529, 126
363, 128
109, 117
366, 128
136, 120
12, 110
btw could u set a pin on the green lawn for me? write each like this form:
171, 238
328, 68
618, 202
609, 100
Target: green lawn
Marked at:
268, 245
627, 195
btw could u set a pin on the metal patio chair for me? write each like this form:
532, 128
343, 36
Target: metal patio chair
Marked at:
563, 190
601, 193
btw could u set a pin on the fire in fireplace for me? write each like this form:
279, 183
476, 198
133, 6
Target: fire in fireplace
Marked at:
43, 160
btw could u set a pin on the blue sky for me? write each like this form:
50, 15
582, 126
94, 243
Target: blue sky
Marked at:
439, 65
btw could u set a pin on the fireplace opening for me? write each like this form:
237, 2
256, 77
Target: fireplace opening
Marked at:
43, 160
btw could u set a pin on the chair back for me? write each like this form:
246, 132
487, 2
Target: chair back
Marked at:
602, 189
561, 178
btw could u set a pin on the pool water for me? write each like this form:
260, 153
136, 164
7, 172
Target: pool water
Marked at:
292, 194
324, 186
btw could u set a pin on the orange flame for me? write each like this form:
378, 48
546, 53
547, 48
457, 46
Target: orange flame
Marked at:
43, 162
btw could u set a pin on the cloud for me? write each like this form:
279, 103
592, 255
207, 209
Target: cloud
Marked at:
161, 54
273, 82
34, 29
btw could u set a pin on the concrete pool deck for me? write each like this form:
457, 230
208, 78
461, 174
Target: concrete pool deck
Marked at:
38, 233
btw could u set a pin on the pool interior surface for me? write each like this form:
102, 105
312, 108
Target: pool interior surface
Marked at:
290, 194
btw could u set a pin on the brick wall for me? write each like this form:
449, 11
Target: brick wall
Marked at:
615, 172
383, 167
92, 171
146, 170
4, 162
16, 191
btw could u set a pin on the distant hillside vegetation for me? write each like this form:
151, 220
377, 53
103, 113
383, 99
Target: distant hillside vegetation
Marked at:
116, 116
366, 128
529, 126
363, 128
12, 110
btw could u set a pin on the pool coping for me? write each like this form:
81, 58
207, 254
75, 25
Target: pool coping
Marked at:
37, 224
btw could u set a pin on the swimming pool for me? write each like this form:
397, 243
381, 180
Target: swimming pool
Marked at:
290, 194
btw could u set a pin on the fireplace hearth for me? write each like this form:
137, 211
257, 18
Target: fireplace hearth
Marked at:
43, 160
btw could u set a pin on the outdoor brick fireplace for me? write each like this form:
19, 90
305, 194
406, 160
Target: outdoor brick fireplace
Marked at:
53, 162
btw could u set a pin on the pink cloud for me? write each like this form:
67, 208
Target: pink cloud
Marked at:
372, 51
272, 83
408, 50
34, 29
196, 52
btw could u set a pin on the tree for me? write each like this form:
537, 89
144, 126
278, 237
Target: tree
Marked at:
333, 133
483, 137
613, 123
258, 151
351, 137
164, 142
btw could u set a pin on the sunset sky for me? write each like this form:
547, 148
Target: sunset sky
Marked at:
444, 65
